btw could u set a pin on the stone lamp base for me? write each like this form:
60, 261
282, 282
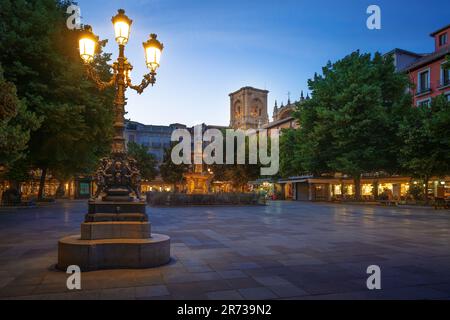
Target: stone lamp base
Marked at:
112, 238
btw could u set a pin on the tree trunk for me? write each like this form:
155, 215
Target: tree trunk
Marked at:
357, 182
425, 189
42, 184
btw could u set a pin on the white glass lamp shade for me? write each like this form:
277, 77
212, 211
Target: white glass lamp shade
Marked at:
87, 45
122, 26
153, 50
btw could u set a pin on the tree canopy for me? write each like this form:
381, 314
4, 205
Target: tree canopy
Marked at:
16, 123
426, 135
146, 161
40, 57
170, 172
350, 124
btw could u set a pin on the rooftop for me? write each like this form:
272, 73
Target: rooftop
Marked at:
428, 58
440, 30
249, 88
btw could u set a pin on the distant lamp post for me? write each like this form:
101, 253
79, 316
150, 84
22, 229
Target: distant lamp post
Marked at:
121, 80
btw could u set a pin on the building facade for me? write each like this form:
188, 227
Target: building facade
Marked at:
283, 116
426, 71
248, 108
156, 138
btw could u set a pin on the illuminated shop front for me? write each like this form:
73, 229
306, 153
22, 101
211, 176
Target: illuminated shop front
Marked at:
77, 188
308, 188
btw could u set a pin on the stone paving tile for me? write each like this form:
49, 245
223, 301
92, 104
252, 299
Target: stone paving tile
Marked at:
293, 250
199, 287
232, 274
142, 280
151, 291
258, 293
243, 283
200, 268
191, 277
17, 291
118, 294
224, 295
281, 287
80, 295
5, 280
289, 290
413, 293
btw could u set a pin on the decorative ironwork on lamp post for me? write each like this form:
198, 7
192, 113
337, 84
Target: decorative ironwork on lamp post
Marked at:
118, 175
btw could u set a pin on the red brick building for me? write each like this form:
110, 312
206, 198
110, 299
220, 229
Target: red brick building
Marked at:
427, 71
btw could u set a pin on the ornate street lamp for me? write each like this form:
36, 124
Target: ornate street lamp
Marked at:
118, 175
116, 232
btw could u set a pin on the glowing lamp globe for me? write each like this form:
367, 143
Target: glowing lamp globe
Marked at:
87, 44
122, 26
153, 49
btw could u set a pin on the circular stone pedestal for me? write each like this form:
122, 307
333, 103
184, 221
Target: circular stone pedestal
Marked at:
92, 255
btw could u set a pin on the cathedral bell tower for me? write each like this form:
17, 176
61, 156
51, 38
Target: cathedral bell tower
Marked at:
248, 108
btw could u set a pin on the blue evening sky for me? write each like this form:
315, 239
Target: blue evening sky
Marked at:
214, 47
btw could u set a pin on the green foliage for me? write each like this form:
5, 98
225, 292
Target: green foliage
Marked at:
170, 172
350, 124
416, 192
426, 135
146, 161
238, 174
290, 161
16, 123
39, 55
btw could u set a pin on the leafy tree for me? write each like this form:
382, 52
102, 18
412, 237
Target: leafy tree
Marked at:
147, 162
39, 55
170, 172
16, 124
238, 174
426, 134
290, 162
350, 125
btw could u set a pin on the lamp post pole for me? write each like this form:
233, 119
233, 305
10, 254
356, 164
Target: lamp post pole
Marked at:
119, 103
118, 177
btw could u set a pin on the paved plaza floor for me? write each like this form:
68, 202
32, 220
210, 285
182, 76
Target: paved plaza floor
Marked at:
285, 250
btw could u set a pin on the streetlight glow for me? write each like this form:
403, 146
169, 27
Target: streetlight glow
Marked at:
122, 25
88, 44
153, 49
